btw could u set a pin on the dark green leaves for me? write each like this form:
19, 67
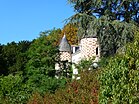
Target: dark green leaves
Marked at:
110, 20
119, 80
114, 9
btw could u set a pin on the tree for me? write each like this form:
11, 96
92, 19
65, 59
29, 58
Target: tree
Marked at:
21, 57
125, 10
111, 34
70, 31
14, 56
29, 68
9, 52
13, 89
119, 80
96, 18
40, 69
41, 54
83, 91
2, 63
54, 36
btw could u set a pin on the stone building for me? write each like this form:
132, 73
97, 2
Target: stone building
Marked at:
65, 50
88, 48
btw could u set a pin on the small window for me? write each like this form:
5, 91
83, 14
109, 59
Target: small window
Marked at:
97, 51
76, 49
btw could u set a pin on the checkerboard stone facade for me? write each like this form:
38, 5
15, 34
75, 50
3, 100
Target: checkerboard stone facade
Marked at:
65, 56
89, 47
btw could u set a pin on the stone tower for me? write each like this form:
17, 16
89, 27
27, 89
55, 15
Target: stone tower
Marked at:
89, 48
62, 66
65, 50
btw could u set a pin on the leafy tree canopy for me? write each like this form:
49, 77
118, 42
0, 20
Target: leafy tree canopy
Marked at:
113, 22
39, 70
119, 80
13, 57
125, 10
70, 31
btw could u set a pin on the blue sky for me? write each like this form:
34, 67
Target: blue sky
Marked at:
25, 19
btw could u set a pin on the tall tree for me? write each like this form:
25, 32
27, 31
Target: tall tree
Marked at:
126, 10
2, 63
109, 20
119, 78
9, 53
54, 36
70, 31
13, 56
40, 67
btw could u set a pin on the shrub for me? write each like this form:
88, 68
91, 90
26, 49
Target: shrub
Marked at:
13, 91
84, 91
119, 80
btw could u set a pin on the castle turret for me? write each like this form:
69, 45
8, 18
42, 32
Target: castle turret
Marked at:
90, 47
65, 50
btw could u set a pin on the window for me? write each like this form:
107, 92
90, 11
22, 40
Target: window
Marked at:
76, 48
97, 51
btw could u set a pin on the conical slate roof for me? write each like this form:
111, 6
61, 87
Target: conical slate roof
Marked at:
64, 45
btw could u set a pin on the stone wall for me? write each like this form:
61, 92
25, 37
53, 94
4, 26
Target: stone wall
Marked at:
65, 56
89, 48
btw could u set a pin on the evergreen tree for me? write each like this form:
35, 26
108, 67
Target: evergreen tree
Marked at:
110, 21
126, 10
13, 56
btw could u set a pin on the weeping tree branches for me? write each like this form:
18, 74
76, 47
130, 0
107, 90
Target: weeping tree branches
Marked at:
81, 20
111, 34
113, 21
126, 10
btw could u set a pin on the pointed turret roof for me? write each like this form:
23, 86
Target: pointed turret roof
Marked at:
64, 45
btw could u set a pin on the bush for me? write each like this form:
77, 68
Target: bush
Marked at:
119, 80
84, 91
13, 91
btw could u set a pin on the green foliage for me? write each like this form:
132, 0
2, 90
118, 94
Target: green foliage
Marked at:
119, 80
44, 84
28, 67
13, 57
84, 91
103, 62
110, 21
13, 91
126, 10
9, 52
70, 31
2, 63
54, 36
12, 61
41, 56
40, 72
65, 70
111, 34
84, 65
